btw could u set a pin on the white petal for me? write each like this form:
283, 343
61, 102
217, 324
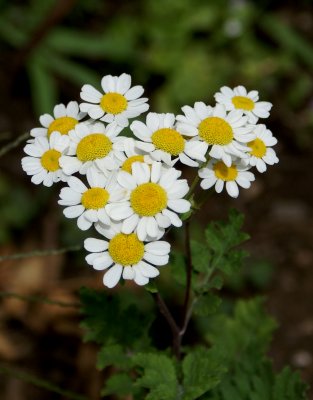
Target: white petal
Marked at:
128, 272
159, 248
175, 220
155, 259
130, 223
95, 245
232, 189
76, 185
83, 223
179, 205
102, 262
147, 270
74, 211
112, 277
134, 93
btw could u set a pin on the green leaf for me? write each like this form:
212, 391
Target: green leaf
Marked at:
288, 386
249, 330
113, 355
221, 239
207, 304
288, 38
200, 256
74, 72
120, 384
202, 372
42, 83
158, 375
178, 268
151, 287
107, 321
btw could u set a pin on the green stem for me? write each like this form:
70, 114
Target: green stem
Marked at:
188, 272
41, 383
39, 253
8, 147
38, 299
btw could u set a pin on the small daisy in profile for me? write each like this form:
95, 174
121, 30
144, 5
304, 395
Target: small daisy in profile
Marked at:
226, 133
91, 146
118, 101
43, 161
239, 99
161, 139
261, 152
129, 153
64, 119
126, 256
155, 198
217, 174
88, 204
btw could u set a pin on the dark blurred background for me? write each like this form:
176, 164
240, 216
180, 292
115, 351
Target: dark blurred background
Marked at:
181, 51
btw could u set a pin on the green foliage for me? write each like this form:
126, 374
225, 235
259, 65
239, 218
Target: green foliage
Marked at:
113, 354
107, 321
207, 304
200, 256
222, 237
119, 384
158, 375
202, 372
241, 341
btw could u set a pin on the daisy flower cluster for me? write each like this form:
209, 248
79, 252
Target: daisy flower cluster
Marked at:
129, 189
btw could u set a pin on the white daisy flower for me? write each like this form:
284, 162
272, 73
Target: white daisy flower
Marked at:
129, 154
88, 204
165, 143
155, 198
218, 174
43, 161
127, 256
64, 119
261, 152
239, 99
118, 102
91, 146
227, 133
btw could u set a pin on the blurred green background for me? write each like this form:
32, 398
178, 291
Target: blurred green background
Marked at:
181, 51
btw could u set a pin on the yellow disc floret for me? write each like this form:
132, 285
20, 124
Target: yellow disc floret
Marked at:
62, 125
243, 103
215, 130
126, 249
113, 103
50, 160
148, 199
168, 140
95, 198
127, 164
225, 173
258, 148
91, 147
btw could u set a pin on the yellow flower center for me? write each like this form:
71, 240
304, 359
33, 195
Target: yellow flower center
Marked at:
258, 148
126, 249
127, 164
225, 173
244, 103
168, 140
113, 103
148, 199
62, 125
50, 160
91, 147
215, 130
95, 198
